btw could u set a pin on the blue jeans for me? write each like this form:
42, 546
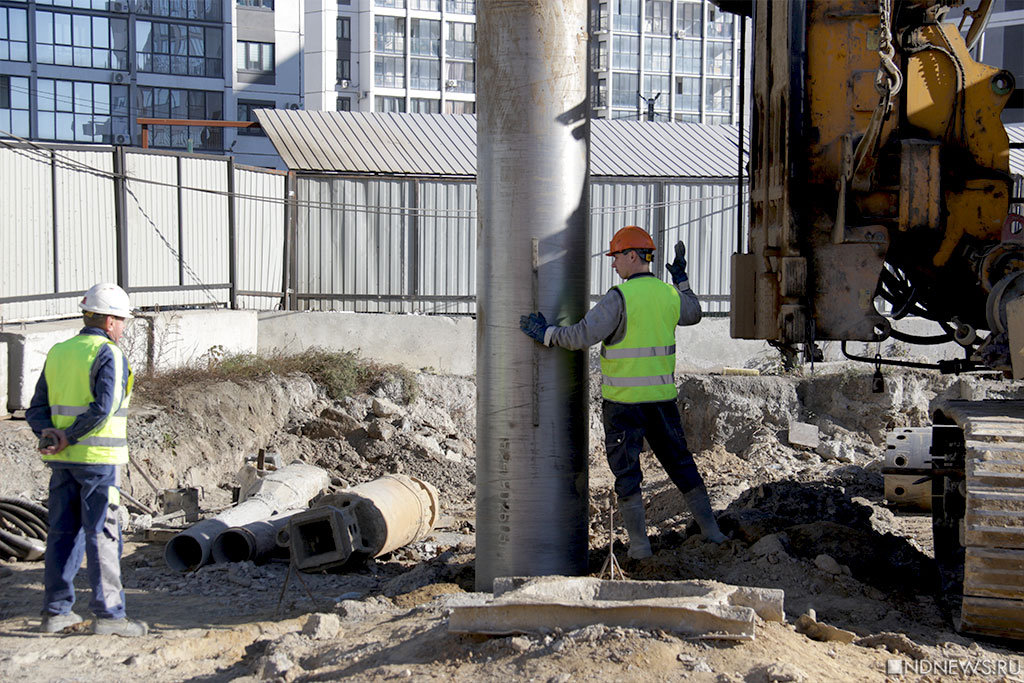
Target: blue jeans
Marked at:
83, 521
625, 427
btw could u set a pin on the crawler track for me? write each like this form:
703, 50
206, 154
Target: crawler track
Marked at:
993, 530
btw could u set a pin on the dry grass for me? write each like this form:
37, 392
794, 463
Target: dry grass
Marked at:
340, 373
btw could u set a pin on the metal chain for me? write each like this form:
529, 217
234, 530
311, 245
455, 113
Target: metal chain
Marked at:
889, 80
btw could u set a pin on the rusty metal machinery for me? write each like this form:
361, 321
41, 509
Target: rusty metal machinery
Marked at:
880, 172
879, 168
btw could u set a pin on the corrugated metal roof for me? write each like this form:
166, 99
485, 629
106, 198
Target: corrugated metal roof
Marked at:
445, 145
1015, 131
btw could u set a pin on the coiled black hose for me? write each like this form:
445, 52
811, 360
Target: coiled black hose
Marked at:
23, 527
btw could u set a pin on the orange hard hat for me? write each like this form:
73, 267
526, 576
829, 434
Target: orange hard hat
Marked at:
630, 237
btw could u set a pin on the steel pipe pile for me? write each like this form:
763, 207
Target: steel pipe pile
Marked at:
533, 254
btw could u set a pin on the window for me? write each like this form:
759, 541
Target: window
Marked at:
459, 107
688, 56
626, 52
389, 72
256, 57
176, 103
181, 49
626, 15
424, 106
259, 4
204, 10
464, 75
719, 61
14, 114
13, 35
400, 4
599, 54
246, 112
425, 74
389, 104
425, 37
718, 95
688, 19
344, 66
461, 43
460, 6
687, 118
688, 94
655, 84
599, 94
81, 40
389, 34
657, 54
427, 5
624, 90
82, 4
658, 17
78, 111
344, 104
719, 23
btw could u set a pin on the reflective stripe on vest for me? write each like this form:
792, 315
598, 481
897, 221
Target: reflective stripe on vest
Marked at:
69, 371
639, 369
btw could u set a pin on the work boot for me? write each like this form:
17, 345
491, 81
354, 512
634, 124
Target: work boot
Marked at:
128, 628
632, 510
700, 507
55, 623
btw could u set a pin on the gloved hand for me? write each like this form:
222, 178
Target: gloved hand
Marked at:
534, 326
678, 267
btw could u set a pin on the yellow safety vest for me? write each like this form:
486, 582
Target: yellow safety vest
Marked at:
68, 372
639, 369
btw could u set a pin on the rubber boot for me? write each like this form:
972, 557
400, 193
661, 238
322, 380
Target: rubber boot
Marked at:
632, 510
700, 507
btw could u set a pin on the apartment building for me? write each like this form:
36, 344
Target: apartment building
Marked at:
84, 71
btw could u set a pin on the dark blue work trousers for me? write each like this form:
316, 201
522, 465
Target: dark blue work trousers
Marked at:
625, 427
83, 522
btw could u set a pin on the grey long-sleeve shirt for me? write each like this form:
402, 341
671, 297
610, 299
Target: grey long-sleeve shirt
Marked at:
607, 320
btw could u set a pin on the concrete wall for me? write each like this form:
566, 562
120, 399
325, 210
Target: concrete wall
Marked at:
445, 344
152, 341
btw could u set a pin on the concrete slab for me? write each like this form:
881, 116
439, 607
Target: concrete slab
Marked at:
701, 609
27, 346
446, 344
803, 434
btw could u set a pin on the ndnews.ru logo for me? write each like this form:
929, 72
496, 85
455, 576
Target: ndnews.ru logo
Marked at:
952, 667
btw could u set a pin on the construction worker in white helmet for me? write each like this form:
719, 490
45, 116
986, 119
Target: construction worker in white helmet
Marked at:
635, 323
79, 413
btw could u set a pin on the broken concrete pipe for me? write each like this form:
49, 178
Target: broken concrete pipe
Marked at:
255, 541
365, 521
288, 489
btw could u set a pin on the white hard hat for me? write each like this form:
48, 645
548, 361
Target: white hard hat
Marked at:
106, 298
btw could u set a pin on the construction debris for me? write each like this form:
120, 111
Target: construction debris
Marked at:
705, 609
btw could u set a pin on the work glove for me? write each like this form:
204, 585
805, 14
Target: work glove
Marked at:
534, 326
678, 267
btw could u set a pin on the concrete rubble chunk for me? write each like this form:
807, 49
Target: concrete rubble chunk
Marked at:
803, 434
322, 626
893, 642
382, 407
693, 608
380, 430
827, 563
768, 545
815, 630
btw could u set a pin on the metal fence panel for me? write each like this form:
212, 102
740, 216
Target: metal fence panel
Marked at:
260, 237
703, 215
205, 224
446, 240
612, 206
151, 212
353, 244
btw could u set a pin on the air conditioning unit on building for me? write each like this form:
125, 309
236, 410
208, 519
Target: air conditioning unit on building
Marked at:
118, 7
293, 105
120, 139
680, 35
119, 78
344, 83
451, 83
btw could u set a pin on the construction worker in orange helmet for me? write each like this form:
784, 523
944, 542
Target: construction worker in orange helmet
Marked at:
635, 323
